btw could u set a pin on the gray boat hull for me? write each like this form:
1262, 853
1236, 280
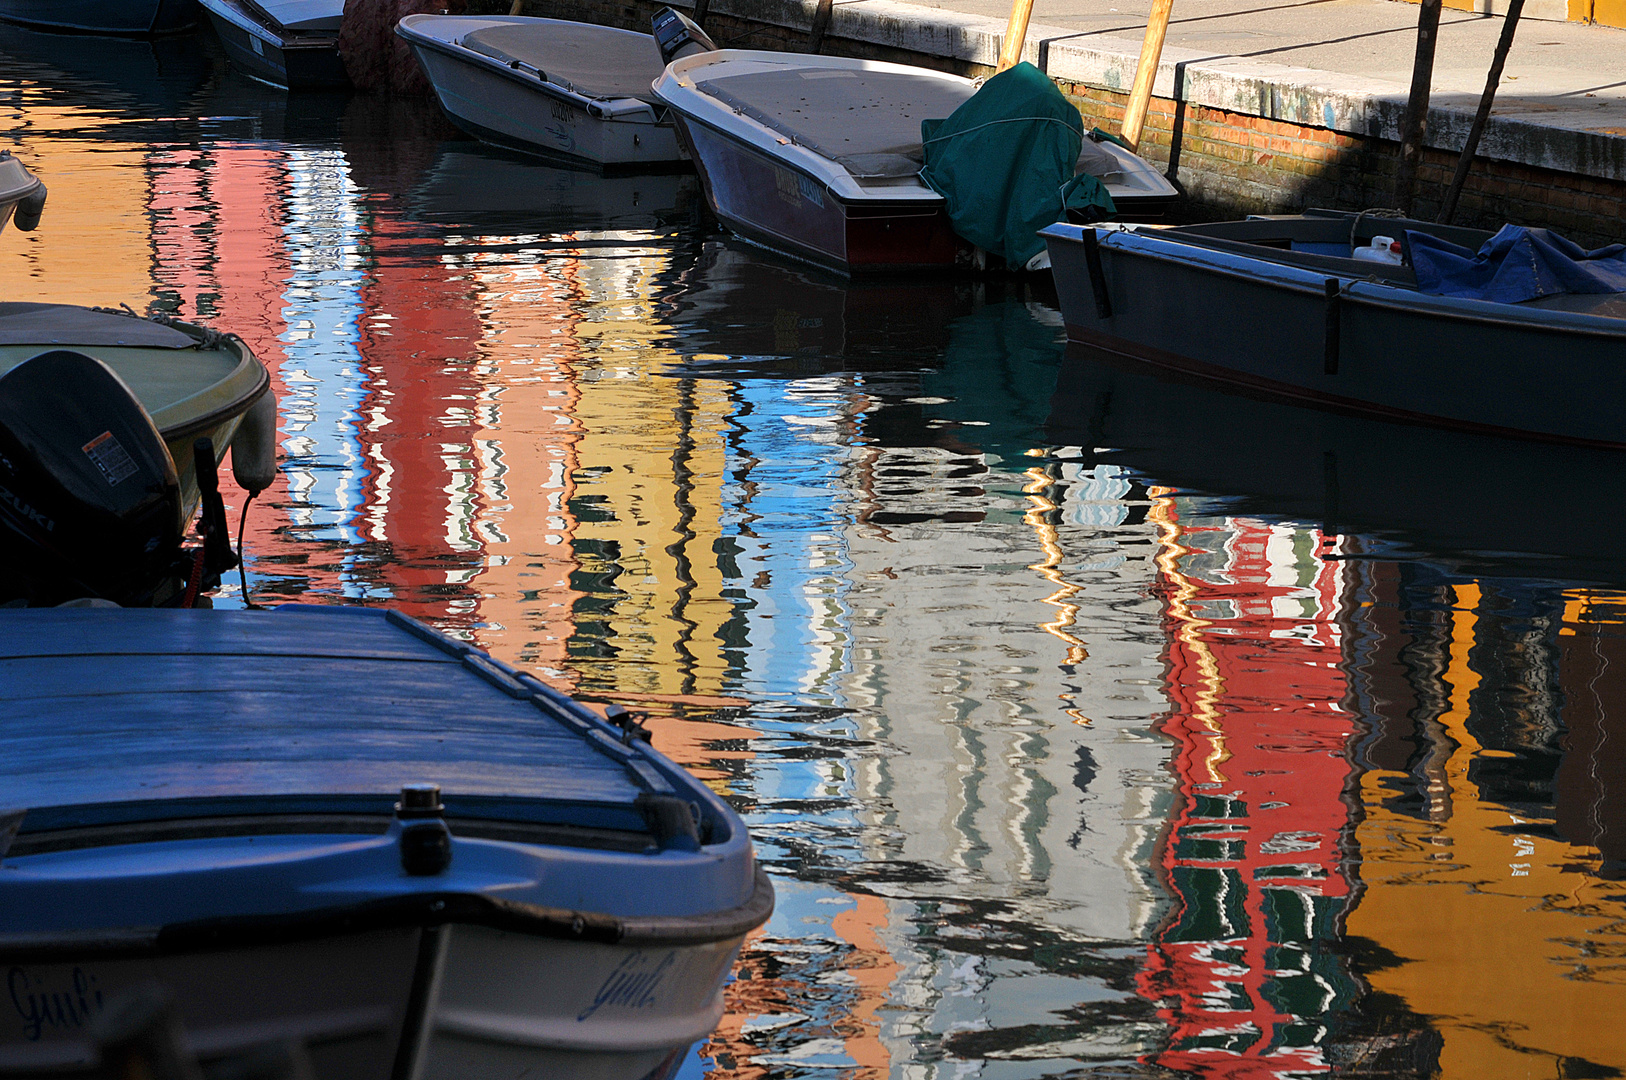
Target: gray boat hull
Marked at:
518, 110
436, 1003
1375, 349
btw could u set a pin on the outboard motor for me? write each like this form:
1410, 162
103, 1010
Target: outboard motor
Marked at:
90, 504
677, 35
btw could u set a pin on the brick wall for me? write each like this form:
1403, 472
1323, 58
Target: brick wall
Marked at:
1231, 164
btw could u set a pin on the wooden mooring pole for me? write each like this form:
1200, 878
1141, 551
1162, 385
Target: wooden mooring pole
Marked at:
1016, 35
1449, 210
1151, 53
1414, 125
821, 24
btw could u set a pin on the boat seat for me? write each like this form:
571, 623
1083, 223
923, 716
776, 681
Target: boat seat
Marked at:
574, 56
866, 121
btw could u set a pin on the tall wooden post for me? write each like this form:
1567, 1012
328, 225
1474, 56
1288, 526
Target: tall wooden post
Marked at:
1414, 125
821, 23
1449, 210
1016, 34
1151, 53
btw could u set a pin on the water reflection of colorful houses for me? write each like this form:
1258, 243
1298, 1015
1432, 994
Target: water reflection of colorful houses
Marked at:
996, 817
1255, 857
1490, 869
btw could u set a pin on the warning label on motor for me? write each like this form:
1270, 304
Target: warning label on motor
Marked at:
110, 457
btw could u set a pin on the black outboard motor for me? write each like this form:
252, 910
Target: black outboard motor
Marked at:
677, 35
89, 498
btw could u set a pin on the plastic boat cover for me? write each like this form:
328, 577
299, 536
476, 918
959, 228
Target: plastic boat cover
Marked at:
595, 61
65, 324
867, 121
1516, 264
1005, 162
113, 706
302, 14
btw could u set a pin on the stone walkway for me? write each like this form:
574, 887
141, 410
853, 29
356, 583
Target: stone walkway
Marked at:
1559, 73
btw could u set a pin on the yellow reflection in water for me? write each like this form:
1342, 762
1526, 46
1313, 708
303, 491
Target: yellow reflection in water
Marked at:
82, 253
1508, 941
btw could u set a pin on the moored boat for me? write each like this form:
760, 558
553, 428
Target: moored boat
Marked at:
292, 44
101, 413
1281, 306
340, 828
548, 86
133, 17
819, 157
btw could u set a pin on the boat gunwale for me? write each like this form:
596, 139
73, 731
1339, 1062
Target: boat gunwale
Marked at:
284, 39
417, 909
34, 183
765, 141
354, 822
1152, 246
631, 110
927, 203
238, 405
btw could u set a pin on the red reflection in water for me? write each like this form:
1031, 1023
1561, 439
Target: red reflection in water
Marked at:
1252, 858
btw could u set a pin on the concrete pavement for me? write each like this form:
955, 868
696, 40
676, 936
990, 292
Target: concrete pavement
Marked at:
1558, 73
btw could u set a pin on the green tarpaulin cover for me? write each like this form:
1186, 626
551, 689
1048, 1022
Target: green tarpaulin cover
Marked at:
1004, 161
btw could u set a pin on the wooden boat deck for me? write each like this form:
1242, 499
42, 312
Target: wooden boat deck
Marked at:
124, 707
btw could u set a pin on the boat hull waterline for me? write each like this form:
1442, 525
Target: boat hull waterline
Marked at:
493, 1002
1384, 350
518, 108
289, 60
134, 17
792, 212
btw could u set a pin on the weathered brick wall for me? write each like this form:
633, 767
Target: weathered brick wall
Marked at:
1231, 163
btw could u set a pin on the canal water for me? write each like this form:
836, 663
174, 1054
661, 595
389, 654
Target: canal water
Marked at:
1091, 724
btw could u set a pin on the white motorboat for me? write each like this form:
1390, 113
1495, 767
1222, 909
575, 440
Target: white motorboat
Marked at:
548, 86
293, 44
819, 156
208, 800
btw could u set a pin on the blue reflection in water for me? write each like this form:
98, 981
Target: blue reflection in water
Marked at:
326, 382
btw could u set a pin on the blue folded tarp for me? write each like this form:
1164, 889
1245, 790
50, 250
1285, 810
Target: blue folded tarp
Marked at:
1514, 265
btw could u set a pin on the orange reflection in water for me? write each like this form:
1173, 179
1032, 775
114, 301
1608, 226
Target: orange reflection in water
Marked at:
1503, 931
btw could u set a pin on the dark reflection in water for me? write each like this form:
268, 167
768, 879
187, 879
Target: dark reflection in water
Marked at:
1093, 723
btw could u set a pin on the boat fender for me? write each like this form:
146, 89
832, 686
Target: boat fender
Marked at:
254, 447
27, 214
425, 841
674, 821
677, 35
